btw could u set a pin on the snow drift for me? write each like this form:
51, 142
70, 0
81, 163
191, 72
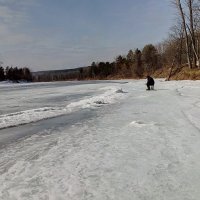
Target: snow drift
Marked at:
110, 95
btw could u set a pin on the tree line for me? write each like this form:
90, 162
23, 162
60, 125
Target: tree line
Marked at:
15, 74
135, 64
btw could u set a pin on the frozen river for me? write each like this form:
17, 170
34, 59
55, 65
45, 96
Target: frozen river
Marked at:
100, 140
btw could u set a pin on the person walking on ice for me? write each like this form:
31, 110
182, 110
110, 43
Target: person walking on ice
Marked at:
150, 83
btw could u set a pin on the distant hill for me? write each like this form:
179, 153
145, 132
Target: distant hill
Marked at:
55, 75
56, 72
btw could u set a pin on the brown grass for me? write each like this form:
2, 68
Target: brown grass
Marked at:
181, 73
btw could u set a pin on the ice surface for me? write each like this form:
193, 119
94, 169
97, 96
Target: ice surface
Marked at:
138, 145
110, 95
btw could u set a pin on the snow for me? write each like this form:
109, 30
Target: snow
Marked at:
111, 140
34, 115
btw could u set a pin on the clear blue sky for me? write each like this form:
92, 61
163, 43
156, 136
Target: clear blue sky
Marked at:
60, 34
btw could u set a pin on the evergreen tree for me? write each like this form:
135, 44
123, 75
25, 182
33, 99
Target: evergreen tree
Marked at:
150, 57
130, 57
2, 75
138, 68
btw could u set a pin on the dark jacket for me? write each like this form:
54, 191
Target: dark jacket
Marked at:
150, 80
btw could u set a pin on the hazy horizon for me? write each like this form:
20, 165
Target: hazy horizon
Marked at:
47, 35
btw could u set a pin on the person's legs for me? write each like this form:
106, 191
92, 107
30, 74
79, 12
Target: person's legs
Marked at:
152, 87
148, 87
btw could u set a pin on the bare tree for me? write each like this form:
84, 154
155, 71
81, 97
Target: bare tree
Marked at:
177, 37
182, 14
189, 12
191, 6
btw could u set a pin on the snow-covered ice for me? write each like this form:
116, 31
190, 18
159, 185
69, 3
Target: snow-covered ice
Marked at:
100, 140
34, 115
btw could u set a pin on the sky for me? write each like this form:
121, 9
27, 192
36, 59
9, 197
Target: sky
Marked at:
62, 34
